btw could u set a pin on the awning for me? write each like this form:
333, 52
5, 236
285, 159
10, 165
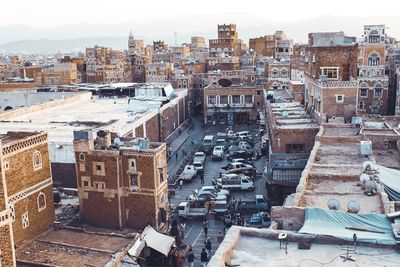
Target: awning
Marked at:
390, 178
160, 242
371, 228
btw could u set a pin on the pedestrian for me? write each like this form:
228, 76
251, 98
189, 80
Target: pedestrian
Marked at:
191, 258
208, 245
180, 184
176, 155
204, 257
220, 237
205, 227
202, 178
182, 229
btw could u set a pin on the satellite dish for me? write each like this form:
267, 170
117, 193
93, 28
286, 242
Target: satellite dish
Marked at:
333, 204
353, 207
224, 82
370, 188
364, 178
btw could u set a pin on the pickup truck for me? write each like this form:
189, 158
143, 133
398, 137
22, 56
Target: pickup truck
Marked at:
231, 134
185, 211
240, 154
260, 220
199, 157
188, 173
237, 167
220, 208
259, 203
241, 145
218, 153
237, 182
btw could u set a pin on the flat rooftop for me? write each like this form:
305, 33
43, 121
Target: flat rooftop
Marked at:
72, 248
60, 121
320, 190
291, 116
260, 248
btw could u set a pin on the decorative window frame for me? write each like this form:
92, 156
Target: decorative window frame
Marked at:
337, 98
82, 158
99, 185
83, 180
102, 172
25, 220
6, 165
37, 165
41, 194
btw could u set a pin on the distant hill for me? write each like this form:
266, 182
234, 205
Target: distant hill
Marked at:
75, 37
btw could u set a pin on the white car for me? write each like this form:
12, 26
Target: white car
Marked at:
199, 157
218, 153
214, 190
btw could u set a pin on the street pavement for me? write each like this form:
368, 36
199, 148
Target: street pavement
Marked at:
195, 235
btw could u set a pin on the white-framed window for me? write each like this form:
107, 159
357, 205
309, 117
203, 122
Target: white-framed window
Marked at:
99, 185
361, 105
374, 59
212, 99
82, 167
6, 165
132, 165
37, 160
274, 73
98, 168
82, 157
339, 98
330, 72
25, 220
41, 201
284, 73
85, 182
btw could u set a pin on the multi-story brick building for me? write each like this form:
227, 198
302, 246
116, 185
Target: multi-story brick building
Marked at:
228, 43
121, 182
297, 62
222, 63
330, 73
392, 69
197, 42
235, 104
277, 74
26, 194
159, 72
274, 46
372, 81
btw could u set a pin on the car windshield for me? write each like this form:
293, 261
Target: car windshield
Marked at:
220, 206
197, 164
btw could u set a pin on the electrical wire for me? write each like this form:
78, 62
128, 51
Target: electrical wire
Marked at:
322, 263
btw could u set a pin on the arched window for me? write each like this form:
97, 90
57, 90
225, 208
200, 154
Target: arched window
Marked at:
82, 157
41, 201
275, 73
373, 59
284, 73
37, 161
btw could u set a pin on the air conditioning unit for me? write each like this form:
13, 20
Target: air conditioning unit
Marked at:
366, 148
323, 78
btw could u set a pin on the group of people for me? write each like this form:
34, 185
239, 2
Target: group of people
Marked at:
204, 255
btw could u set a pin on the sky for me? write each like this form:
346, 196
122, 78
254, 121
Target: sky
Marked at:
47, 13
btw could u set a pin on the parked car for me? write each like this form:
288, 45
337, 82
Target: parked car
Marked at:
237, 167
218, 153
231, 134
244, 135
221, 142
243, 161
260, 220
188, 173
208, 144
199, 167
199, 157
239, 182
258, 203
220, 208
214, 190
240, 154
206, 196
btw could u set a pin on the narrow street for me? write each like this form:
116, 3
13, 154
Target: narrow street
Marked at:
195, 235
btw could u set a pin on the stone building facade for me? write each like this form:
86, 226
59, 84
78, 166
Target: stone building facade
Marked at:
228, 42
121, 182
372, 81
330, 77
26, 190
274, 46
277, 74
236, 104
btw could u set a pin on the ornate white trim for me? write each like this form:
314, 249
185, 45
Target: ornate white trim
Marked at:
29, 191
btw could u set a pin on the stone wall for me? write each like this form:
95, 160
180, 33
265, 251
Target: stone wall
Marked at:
6, 247
288, 218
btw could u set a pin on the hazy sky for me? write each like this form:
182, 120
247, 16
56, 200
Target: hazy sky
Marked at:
45, 13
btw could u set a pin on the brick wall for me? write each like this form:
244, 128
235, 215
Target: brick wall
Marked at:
39, 221
331, 107
304, 136
5, 247
64, 174
152, 129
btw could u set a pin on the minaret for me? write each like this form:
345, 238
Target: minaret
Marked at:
131, 43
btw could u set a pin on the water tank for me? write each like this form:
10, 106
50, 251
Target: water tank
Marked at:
366, 148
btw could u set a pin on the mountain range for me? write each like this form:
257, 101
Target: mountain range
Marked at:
75, 37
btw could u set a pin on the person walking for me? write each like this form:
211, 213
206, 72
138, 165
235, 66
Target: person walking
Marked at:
205, 227
180, 184
204, 257
176, 155
191, 258
208, 245
202, 178
182, 229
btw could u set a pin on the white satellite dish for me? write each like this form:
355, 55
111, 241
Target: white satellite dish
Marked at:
353, 207
364, 178
118, 142
333, 204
